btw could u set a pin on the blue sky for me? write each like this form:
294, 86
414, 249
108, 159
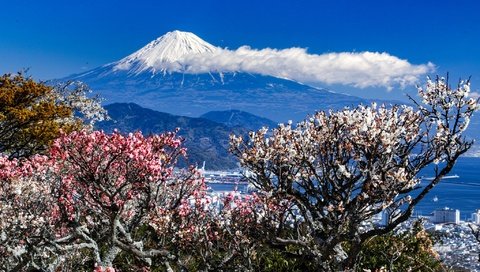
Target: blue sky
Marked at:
57, 38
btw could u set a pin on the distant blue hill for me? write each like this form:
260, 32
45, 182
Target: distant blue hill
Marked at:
236, 118
205, 140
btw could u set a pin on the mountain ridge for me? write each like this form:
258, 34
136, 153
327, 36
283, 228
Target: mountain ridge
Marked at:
205, 140
154, 77
237, 118
160, 82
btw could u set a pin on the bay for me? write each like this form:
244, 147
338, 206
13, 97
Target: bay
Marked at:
462, 193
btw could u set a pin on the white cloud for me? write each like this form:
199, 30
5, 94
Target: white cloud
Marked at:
362, 69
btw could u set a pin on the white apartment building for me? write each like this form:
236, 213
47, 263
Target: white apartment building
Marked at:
446, 215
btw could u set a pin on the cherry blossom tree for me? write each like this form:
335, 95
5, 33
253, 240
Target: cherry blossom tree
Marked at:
336, 170
95, 197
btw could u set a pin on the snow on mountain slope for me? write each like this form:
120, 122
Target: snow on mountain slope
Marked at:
157, 77
164, 53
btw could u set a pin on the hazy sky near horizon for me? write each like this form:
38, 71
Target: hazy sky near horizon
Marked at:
56, 38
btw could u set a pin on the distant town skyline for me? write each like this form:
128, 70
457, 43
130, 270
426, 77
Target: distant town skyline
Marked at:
54, 39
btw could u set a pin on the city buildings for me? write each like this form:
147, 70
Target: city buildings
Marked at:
446, 215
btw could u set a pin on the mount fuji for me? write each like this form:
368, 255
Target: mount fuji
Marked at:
158, 77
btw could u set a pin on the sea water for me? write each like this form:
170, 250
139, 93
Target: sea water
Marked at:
462, 192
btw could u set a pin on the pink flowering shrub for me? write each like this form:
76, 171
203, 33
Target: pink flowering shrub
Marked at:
91, 196
28, 205
233, 227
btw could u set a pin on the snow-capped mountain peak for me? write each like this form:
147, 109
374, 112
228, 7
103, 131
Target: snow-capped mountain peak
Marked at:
177, 73
165, 53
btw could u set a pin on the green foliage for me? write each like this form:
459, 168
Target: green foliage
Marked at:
407, 251
264, 258
274, 260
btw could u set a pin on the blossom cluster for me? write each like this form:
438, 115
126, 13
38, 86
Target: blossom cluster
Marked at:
340, 168
77, 96
92, 192
439, 100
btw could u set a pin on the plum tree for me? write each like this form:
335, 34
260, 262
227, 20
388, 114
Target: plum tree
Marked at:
92, 198
338, 169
